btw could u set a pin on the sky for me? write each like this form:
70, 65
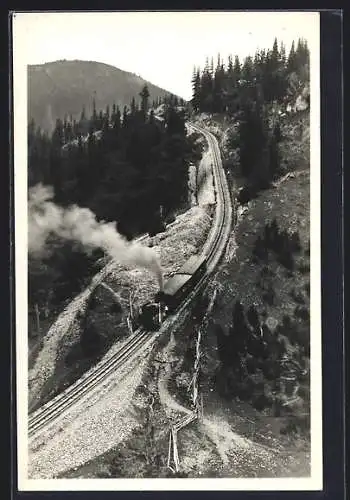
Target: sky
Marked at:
162, 47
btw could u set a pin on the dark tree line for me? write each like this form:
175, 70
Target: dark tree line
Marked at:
248, 347
125, 165
281, 242
270, 72
246, 92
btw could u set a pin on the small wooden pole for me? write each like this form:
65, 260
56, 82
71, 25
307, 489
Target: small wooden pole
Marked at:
128, 320
169, 449
130, 305
37, 318
159, 314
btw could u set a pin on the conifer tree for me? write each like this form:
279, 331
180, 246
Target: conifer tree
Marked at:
291, 64
237, 69
144, 94
196, 90
94, 118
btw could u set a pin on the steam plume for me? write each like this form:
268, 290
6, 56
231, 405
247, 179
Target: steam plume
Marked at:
80, 224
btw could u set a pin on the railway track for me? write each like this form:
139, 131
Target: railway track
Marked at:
213, 249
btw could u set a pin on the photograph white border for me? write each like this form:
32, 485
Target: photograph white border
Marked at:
315, 481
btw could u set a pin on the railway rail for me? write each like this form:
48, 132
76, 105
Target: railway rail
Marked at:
47, 414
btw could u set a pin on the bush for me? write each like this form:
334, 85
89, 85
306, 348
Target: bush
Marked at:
307, 249
295, 244
253, 317
115, 308
269, 295
271, 370
252, 365
297, 296
246, 194
260, 250
304, 267
90, 341
156, 227
265, 272
286, 259
261, 402
302, 312
290, 428
245, 389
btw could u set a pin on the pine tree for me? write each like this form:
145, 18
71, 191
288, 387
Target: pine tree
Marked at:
133, 108
125, 117
291, 64
247, 73
206, 92
144, 94
94, 118
218, 86
283, 54
237, 69
196, 90
230, 65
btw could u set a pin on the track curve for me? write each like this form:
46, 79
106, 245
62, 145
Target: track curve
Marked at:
213, 249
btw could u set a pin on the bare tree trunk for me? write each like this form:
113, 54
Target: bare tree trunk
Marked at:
196, 183
37, 318
131, 297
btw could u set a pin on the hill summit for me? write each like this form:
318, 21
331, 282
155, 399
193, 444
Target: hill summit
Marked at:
64, 87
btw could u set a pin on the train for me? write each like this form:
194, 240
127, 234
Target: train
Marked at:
174, 290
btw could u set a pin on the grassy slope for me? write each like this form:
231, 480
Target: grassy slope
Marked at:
61, 87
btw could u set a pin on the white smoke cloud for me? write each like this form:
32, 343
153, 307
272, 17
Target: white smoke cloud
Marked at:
80, 225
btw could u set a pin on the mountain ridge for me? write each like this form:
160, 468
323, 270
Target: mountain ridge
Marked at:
64, 87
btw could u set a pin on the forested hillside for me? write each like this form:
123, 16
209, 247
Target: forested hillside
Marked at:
254, 96
62, 88
125, 166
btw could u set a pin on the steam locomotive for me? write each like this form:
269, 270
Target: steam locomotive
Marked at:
174, 290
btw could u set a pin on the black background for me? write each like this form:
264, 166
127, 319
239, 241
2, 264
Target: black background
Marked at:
332, 277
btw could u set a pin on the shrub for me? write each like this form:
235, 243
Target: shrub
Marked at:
261, 402
260, 250
252, 365
246, 194
286, 321
267, 334
295, 244
302, 312
307, 249
90, 341
253, 317
285, 258
271, 370
297, 296
304, 267
269, 295
290, 428
265, 272
115, 308
245, 389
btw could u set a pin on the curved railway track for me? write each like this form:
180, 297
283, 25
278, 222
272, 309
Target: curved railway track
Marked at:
213, 249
